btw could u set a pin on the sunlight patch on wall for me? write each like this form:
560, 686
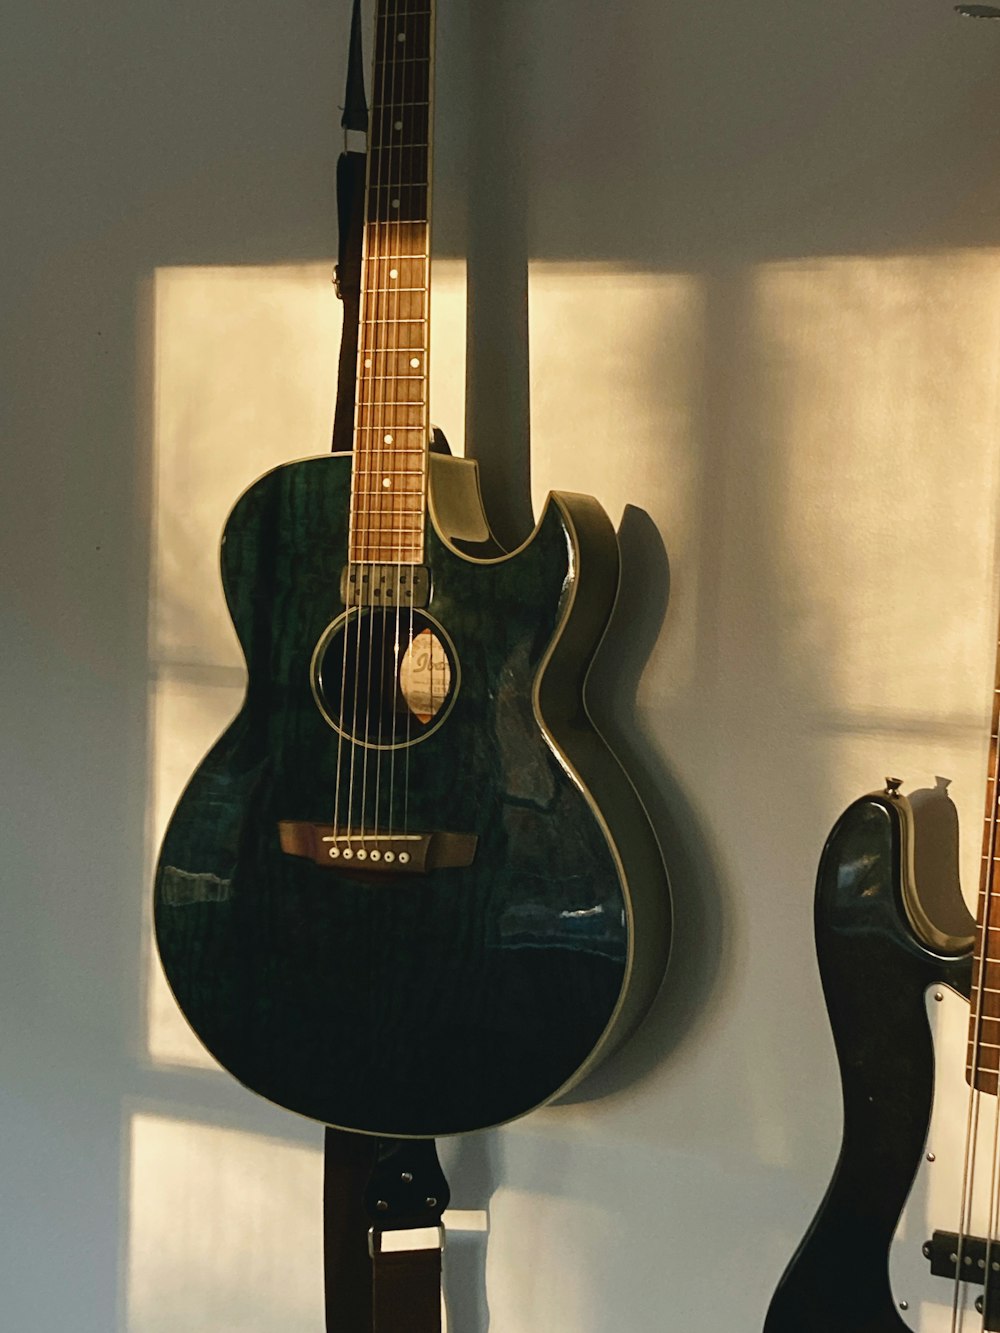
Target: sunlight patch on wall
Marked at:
245, 379
880, 401
876, 371
237, 1215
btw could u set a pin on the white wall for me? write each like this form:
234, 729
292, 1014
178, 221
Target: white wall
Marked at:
749, 256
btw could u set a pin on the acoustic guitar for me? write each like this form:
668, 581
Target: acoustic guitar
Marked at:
409, 892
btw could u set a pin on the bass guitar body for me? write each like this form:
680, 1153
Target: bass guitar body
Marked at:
409, 891
883, 964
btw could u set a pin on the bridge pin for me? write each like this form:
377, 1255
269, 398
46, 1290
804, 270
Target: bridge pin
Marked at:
362, 854
404, 858
390, 857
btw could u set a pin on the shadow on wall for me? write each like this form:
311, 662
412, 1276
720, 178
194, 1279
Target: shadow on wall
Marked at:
704, 141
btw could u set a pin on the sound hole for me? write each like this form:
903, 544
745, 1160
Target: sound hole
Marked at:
385, 677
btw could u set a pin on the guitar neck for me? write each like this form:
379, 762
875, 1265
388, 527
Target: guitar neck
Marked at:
391, 417
983, 1063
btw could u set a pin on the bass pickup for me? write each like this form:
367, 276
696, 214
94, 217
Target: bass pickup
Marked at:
967, 1258
376, 853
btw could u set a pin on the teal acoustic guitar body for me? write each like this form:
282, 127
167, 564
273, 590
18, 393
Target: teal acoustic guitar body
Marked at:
475, 976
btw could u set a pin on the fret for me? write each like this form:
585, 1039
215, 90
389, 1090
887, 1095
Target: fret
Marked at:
376, 405
386, 186
404, 497
395, 530
392, 308
406, 337
410, 515
391, 449
399, 123
396, 495
400, 545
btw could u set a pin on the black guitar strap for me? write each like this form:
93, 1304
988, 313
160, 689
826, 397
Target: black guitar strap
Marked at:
351, 225
378, 1194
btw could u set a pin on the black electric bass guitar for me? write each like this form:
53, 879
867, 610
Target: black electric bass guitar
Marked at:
409, 891
908, 1236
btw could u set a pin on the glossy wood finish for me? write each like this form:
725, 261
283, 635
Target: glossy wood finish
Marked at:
875, 972
426, 1004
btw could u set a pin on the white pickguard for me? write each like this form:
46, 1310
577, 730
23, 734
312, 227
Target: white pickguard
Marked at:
934, 1204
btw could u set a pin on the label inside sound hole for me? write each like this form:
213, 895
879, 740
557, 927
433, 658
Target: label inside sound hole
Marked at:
425, 676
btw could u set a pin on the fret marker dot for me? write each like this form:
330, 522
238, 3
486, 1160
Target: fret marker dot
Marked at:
401, 37
387, 482
387, 439
368, 362
394, 273
414, 361
395, 203
398, 125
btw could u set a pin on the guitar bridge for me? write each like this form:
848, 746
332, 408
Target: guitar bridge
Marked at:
381, 853
385, 585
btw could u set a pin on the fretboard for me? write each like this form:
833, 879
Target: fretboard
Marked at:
391, 421
983, 1056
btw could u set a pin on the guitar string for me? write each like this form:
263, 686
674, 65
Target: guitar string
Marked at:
975, 1098
425, 415
397, 508
387, 500
385, 433
375, 426
364, 446
354, 517
994, 1205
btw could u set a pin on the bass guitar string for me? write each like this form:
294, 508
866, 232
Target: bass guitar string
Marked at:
992, 1224
978, 998
994, 1203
